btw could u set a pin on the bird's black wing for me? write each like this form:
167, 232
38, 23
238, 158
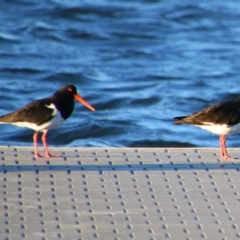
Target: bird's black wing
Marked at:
37, 112
227, 112
223, 113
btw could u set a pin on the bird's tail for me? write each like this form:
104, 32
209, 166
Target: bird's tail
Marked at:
179, 120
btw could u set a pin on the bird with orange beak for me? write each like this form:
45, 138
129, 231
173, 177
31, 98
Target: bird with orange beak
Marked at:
46, 113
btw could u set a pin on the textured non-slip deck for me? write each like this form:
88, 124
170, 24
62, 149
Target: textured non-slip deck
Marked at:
119, 193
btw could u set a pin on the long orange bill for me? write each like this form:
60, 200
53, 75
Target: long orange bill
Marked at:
84, 102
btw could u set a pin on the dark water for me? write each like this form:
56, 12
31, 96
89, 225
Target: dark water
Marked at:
140, 63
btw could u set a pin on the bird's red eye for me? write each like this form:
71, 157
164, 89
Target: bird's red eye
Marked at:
70, 89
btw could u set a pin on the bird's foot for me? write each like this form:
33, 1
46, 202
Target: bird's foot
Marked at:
38, 155
227, 157
48, 155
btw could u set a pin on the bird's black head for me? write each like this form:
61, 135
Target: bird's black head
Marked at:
70, 92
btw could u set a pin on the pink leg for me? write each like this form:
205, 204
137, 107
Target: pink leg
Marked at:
223, 149
44, 140
35, 141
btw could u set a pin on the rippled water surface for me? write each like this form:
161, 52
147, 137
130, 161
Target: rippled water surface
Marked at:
139, 63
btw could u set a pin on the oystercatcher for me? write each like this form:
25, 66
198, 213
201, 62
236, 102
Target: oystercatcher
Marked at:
46, 113
222, 119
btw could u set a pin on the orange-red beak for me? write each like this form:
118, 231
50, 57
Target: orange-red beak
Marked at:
84, 102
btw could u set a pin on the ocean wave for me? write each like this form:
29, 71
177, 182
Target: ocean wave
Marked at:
139, 63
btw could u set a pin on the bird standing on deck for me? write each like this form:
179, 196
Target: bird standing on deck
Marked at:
222, 119
46, 113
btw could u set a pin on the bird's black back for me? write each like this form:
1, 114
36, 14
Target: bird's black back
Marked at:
41, 111
227, 112
34, 112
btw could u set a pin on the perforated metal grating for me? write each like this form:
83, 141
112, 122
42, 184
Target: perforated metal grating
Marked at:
119, 193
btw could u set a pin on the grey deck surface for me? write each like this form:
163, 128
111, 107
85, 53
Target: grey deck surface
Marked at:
119, 193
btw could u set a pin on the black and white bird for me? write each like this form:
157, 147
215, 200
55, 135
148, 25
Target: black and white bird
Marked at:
46, 113
222, 119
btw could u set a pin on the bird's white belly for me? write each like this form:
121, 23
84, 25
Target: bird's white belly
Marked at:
220, 129
53, 123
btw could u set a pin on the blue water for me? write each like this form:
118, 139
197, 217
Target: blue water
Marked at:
139, 63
